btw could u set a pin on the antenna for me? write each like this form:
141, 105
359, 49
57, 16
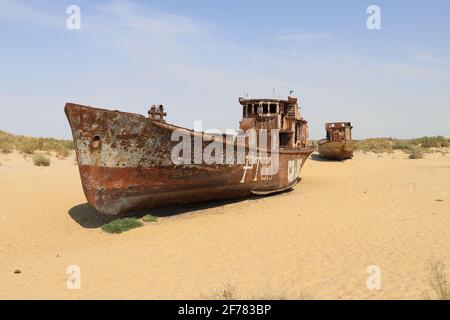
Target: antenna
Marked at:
275, 94
291, 91
249, 93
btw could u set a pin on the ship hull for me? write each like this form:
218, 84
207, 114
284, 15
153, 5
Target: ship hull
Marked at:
336, 150
125, 165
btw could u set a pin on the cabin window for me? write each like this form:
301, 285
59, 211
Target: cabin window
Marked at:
255, 108
273, 108
284, 138
249, 108
265, 108
260, 108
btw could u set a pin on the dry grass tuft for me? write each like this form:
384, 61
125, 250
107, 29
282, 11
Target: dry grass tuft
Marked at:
416, 153
230, 293
41, 160
149, 218
438, 280
376, 145
431, 142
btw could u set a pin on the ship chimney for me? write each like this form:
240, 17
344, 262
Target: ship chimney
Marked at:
157, 113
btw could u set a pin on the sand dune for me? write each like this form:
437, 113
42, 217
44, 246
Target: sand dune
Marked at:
314, 242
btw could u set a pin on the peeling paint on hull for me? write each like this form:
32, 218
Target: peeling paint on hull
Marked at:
125, 165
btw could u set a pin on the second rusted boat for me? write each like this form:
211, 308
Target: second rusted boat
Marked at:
338, 144
129, 162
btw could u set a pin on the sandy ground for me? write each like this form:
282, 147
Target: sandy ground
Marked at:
315, 242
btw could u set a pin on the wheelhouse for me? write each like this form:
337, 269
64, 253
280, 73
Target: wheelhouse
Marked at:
283, 115
339, 131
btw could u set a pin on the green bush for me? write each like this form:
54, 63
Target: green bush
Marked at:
121, 225
149, 218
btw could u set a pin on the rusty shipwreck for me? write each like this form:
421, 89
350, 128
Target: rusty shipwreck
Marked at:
127, 163
338, 144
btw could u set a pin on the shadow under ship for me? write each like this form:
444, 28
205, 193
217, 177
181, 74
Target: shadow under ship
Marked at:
126, 162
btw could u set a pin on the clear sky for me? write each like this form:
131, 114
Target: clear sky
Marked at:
197, 57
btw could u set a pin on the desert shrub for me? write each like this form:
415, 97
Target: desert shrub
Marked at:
415, 147
41, 160
29, 145
376, 145
230, 292
149, 218
402, 145
121, 225
50, 144
68, 144
62, 152
415, 153
6, 144
227, 293
431, 142
438, 280
3, 134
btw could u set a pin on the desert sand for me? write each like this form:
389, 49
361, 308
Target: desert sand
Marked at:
315, 242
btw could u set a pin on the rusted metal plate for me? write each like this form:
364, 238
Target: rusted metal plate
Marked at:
125, 163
